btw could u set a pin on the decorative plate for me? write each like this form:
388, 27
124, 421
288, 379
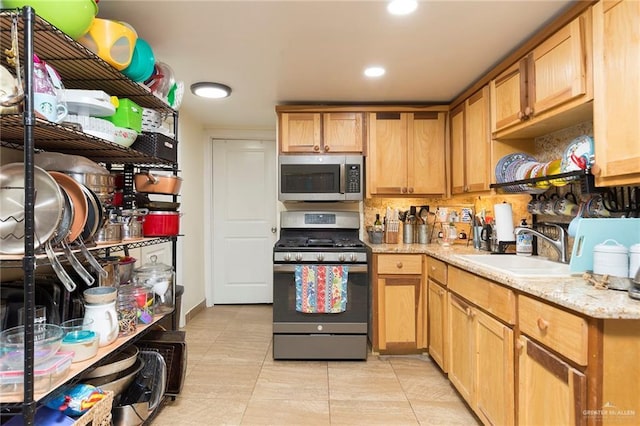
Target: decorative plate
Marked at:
579, 155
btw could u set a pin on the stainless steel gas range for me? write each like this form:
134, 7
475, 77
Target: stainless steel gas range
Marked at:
320, 287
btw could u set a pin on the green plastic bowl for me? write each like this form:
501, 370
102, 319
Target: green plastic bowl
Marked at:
142, 62
72, 17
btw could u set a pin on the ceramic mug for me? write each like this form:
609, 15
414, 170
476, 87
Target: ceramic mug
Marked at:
48, 106
595, 207
536, 205
548, 206
566, 206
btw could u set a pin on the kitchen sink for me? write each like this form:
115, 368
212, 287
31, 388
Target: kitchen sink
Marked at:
520, 266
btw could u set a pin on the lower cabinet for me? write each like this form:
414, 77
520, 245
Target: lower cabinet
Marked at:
462, 348
550, 391
437, 325
399, 304
481, 347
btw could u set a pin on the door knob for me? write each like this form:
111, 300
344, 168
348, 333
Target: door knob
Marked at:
273, 229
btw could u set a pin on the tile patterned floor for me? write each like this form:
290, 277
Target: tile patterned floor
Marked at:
232, 379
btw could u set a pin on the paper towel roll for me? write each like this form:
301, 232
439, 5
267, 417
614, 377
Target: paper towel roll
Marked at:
504, 222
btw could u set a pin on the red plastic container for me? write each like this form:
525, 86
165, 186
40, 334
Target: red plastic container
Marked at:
161, 224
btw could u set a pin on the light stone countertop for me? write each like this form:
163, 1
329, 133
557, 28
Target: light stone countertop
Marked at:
573, 292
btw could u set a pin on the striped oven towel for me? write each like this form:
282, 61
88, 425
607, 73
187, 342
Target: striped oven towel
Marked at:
321, 288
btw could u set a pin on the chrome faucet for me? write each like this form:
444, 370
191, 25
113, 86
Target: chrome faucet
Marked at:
560, 244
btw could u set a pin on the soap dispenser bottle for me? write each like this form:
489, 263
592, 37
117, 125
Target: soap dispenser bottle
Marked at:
524, 241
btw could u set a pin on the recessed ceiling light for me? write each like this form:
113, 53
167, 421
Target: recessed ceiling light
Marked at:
402, 7
374, 71
210, 90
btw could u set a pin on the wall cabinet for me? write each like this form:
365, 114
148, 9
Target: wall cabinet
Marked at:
547, 89
471, 144
616, 69
406, 154
321, 132
399, 304
437, 312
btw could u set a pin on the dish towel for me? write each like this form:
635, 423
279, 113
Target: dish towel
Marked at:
321, 289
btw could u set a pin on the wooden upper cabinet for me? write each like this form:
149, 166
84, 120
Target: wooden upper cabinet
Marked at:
616, 71
321, 132
549, 88
406, 153
471, 144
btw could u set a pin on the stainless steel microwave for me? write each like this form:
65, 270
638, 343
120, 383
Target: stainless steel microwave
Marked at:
327, 177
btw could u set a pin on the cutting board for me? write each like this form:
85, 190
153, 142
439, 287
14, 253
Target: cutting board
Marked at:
591, 232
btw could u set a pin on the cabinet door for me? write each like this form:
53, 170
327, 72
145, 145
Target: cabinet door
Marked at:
494, 371
462, 351
477, 144
550, 391
457, 132
426, 153
401, 324
558, 68
387, 160
437, 321
300, 132
343, 132
616, 71
508, 97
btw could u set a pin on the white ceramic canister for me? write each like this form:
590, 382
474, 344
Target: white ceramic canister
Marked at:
611, 258
634, 260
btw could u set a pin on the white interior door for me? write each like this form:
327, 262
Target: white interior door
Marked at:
244, 220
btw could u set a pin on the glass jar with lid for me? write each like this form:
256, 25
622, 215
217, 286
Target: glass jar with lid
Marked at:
160, 279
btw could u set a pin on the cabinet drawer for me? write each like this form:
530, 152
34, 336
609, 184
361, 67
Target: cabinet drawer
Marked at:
493, 298
560, 330
437, 270
400, 264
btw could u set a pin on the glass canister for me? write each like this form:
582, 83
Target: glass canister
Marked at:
160, 279
143, 301
127, 313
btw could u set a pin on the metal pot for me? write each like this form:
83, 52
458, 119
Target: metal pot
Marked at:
97, 182
161, 224
109, 233
153, 184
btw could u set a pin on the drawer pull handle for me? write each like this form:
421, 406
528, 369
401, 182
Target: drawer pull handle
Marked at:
441, 292
519, 345
399, 265
543, 324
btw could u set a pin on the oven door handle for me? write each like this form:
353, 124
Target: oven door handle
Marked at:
292, 268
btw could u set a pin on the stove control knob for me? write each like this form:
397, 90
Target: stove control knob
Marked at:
353, 257
298, 257
341, 257
287, 257
320, 257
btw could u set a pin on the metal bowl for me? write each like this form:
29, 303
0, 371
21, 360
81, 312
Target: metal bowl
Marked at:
121, 380
119, 362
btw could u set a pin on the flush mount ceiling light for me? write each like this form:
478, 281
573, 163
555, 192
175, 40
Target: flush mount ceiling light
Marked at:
374, 71
210, 90
402, 7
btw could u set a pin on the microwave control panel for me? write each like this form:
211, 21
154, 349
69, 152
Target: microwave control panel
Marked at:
353, 178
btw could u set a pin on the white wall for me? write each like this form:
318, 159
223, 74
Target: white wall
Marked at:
191, 261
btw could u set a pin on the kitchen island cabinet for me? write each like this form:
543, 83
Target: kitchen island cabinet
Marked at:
616, 102
406, 154
321, 132
399, 325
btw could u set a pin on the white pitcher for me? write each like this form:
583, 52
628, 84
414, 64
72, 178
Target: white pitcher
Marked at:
105, 321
